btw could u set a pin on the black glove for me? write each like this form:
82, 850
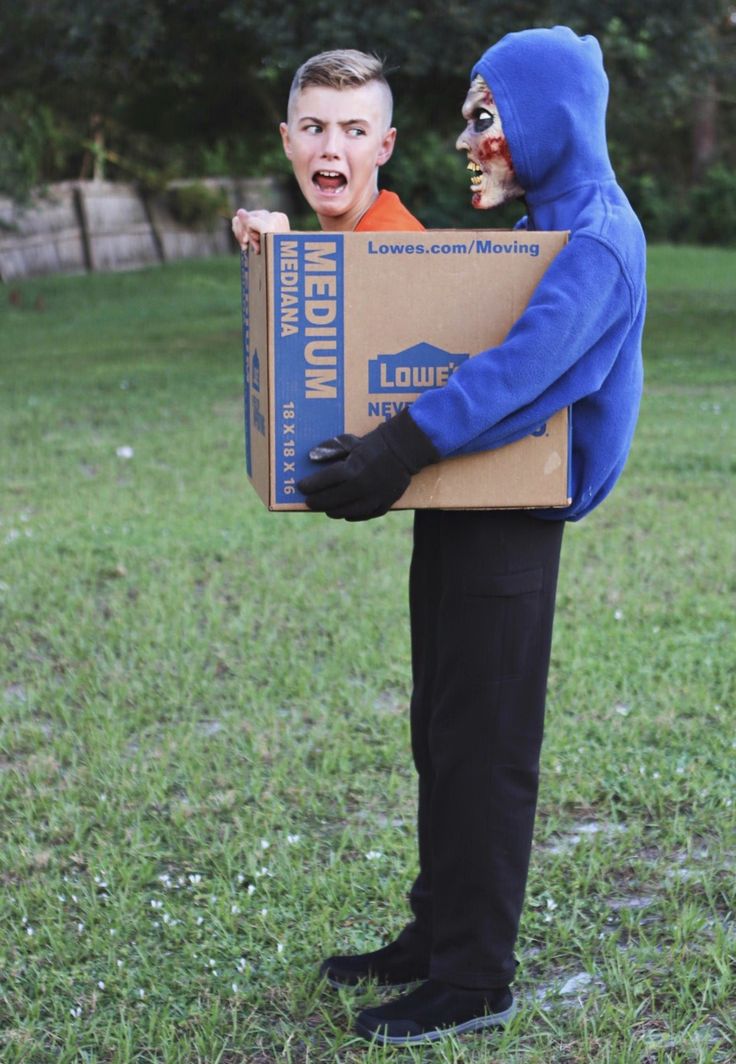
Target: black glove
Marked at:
367, 474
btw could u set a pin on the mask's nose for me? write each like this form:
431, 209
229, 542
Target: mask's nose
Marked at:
463, 143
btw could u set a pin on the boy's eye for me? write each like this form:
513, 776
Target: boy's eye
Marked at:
483, 120
313, 128
356, 131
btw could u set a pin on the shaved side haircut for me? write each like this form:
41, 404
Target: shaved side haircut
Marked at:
343, 68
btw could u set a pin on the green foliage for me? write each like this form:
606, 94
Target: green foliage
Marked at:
30, 145
704, 214
712, 208
658, 210
204, 94
197, 204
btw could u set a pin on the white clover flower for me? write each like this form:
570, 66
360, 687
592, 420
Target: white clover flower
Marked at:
551, 903
80, 927
141, 992
265, 844
75, 1013
234, 987
29, 930
241, 965
124, 452
100, 984
618, 615
293, 839
234, 910
195, 879
156, 904
264, 912
280, 947
251, 888
373, 855
200, 921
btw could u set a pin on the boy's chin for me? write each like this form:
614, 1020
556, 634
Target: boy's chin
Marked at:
329, 206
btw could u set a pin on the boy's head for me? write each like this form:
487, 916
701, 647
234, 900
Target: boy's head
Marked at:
338, 132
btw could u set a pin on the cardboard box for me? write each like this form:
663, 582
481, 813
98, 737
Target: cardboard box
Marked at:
342, 330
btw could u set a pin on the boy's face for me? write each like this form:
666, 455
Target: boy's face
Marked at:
493, 180
336, 139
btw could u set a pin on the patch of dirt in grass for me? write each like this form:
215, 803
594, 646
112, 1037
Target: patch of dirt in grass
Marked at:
580, 830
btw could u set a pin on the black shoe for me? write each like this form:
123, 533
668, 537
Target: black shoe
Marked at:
391, 966
435, 1010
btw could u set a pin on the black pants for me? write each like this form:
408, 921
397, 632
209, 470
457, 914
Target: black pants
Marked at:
482, 594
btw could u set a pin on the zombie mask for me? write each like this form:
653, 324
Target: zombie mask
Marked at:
492, 180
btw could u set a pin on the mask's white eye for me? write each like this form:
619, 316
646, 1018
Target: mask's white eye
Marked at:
483, 120
356, 131
313, 128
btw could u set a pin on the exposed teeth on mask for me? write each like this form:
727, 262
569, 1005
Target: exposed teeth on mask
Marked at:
476, 174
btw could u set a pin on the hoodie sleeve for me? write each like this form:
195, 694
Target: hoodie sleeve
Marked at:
560, 350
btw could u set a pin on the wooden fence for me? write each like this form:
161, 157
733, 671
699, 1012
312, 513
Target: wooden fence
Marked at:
78, 226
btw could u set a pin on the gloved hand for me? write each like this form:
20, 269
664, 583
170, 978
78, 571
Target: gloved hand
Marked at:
367, 474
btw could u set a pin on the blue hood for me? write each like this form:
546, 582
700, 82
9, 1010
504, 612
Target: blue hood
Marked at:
578, 343
551, 91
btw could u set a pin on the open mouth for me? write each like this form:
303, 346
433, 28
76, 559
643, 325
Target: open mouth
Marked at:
329, 181
476, 175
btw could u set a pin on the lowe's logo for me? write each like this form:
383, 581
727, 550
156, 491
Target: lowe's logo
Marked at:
417, 369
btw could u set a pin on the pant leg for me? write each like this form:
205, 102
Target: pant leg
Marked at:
425, 591
477, 732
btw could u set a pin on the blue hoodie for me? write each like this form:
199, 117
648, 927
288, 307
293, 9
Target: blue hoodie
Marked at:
578, 343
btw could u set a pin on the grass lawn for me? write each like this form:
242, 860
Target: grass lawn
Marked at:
205, 780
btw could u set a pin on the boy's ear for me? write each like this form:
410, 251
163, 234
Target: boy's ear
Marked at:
387, 146
284, 131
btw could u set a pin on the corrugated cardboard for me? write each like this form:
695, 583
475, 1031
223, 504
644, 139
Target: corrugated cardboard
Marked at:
342, 330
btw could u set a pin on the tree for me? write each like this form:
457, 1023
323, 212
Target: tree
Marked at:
197, 86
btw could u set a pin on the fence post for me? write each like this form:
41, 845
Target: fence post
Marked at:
81, 212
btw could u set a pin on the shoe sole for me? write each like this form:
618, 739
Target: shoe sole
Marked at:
497, 1019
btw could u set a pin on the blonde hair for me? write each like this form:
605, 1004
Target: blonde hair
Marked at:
342, 68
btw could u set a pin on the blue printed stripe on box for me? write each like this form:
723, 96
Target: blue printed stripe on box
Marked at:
309, 347
246, 358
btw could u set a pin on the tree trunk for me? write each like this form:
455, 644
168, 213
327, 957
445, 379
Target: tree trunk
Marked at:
705, 129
